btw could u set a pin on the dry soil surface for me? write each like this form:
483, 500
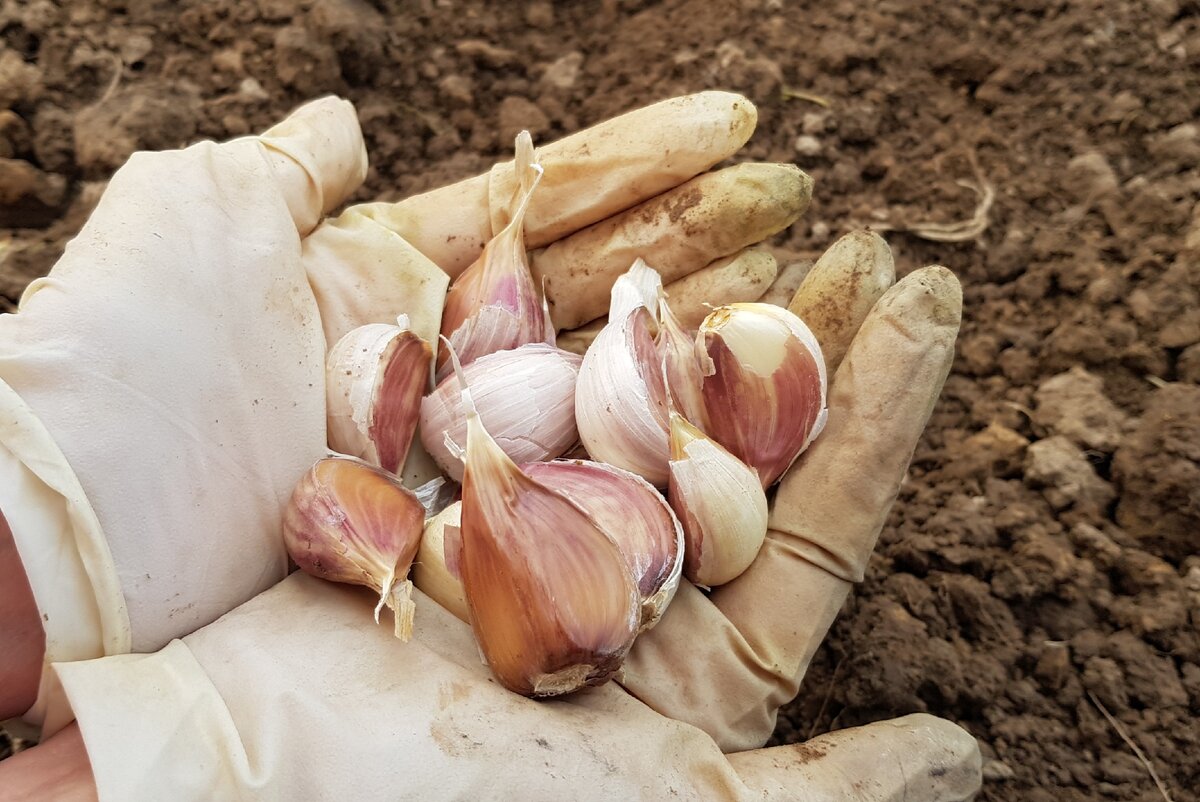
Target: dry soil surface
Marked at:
1043, 559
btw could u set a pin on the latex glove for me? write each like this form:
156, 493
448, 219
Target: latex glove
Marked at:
231, 711
346, 281
162, 389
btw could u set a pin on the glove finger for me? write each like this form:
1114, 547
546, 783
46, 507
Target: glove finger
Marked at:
731, 279
762, 629
318, 157
589, 176
361, 271
841, 289
914, 757
677, 233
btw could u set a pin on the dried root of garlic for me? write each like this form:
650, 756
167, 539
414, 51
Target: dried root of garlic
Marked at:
351, 522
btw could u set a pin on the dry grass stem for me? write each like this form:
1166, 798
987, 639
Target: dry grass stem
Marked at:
1116, 725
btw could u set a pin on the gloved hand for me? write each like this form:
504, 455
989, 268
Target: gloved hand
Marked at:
163, 388
233, 710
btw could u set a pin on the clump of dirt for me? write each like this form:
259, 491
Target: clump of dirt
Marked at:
1043, 557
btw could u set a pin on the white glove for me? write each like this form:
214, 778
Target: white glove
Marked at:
199, 363
297, 694
162, 390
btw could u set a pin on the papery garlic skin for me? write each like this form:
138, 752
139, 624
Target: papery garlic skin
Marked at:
634, 515
494, 305
681, 366
526, 398
720, 503
553, 604
351, 522
621, 399
432, 573
764, 385
375, 376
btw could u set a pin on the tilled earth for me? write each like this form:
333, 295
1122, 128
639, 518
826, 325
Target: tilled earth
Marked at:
1043, 563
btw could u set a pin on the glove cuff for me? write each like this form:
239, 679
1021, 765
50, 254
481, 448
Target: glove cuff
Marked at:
63, 551
180, 730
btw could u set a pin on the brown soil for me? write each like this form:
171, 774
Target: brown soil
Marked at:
1044, 558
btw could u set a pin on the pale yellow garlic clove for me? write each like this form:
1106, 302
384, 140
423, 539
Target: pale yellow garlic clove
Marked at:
374, 379
764, 385
432, 574
525, 396
552, 602
621, 399
351, 522
634, 515
494, 305
720, 503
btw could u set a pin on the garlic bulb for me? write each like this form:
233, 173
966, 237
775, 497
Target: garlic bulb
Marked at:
494, 304
351, 522
720, 503
526, 397
634, 515
374, 379
432, 573
764, 385
621, 400
553, 604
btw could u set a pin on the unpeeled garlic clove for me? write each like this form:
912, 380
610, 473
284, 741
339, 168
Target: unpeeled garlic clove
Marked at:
526, 396
764, 385
438, 578
553, 604
351, 522
494, 304
621, 399
374, 379
681, 366
634, 515
720, 502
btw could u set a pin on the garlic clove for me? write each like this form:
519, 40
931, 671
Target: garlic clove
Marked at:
634, 515
438, 578
621, 399
525, 396
351, 522
553, 604
681, 366
764, 385
720, 503
494, 305
374, 379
